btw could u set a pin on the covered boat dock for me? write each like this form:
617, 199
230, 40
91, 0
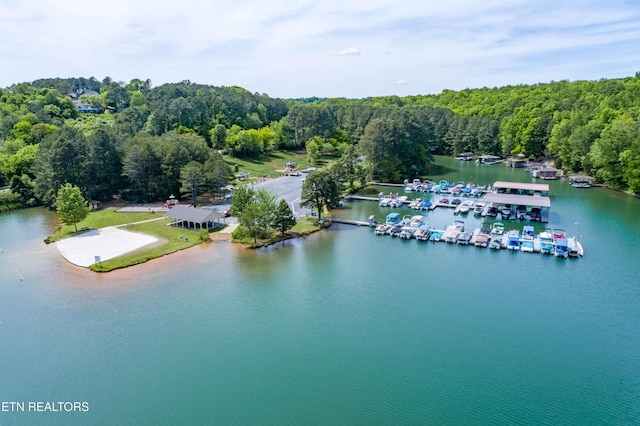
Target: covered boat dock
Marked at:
530, 195
521, 188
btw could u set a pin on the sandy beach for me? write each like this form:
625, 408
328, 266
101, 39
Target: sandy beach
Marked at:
106, 243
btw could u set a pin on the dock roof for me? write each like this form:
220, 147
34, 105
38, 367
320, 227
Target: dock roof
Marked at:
525, 200
542, 187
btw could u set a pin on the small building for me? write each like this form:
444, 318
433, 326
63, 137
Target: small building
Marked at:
581, 181
81, 106
193, 218
546, 173
488, 159
466, 156
517, 162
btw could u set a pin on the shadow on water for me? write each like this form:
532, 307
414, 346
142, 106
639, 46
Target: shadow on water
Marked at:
440, 170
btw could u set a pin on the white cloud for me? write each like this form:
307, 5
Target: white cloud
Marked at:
349, 51
279, 49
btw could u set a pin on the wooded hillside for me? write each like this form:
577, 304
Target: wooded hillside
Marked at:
137, 138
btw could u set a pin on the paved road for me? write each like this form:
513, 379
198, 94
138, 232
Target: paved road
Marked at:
288, 188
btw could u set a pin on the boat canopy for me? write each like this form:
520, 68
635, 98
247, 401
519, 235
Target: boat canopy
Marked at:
393, 218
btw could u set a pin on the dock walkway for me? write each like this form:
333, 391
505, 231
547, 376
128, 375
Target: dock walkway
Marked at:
349, 222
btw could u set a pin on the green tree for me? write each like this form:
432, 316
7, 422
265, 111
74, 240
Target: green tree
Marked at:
217, 173
320, 190
141, 165
71, 205
256, 210
284, 218
313, 149
348, 169
630, 160
104, 164
192, 180
266, 201
61, 158
249, 219
219, 136
242, 197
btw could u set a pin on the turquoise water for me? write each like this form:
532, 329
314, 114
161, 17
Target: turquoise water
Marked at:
341, 327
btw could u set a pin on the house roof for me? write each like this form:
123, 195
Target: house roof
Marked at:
192, 214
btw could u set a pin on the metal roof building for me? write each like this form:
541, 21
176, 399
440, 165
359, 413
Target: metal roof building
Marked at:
535, 187
521, 194
524, 200
191, 217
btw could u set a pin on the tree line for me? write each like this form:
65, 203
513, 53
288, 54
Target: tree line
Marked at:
144, 136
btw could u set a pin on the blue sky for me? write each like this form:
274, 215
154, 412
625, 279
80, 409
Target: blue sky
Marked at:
303, 48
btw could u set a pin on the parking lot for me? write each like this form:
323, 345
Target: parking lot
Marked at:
287, 187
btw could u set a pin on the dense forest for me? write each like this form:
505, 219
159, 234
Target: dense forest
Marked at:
135, 141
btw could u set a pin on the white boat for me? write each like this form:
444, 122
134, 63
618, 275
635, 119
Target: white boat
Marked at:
546, 242
383, 228
483, 236
407, 232
397, 201
495, 243
497, 229
416, 221
575, 248
466, 206
464, 238
384, 202
422, 234
453, 231
527, 246
415, 204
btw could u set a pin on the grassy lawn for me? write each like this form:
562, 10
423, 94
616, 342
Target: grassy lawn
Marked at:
271, 165
100, 219
267, 165
304, 226
171, 239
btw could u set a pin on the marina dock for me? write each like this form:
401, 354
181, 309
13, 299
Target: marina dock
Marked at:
504, 201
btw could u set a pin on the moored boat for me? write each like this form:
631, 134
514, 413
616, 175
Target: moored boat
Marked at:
561, 248
528, 233
513, 240
497, 229
453, 231
495, 243
422, 234
464, 238
483, 237
527, 246
546, 242
575, 248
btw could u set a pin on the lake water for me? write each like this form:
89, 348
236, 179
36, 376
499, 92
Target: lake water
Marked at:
342, 327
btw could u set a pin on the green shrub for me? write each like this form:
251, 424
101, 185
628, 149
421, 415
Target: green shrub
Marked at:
10, 201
